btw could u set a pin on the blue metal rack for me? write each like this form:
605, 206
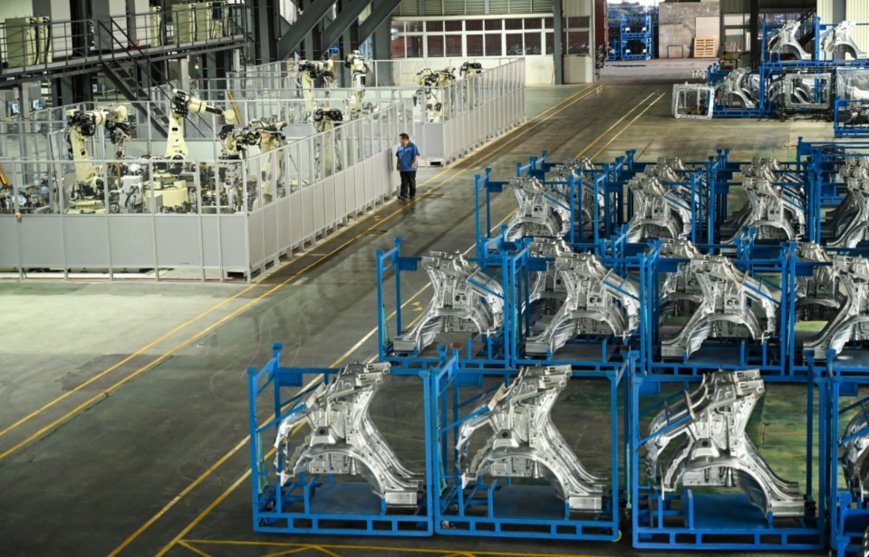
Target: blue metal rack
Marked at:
514, 509
632, 33
720, 521
773, 68
478, 350
849, 509
608, 178
769, 356
602, 353
849, 119
810, 34
319, 504
818, 163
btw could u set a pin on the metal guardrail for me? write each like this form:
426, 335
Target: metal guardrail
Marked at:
36, 43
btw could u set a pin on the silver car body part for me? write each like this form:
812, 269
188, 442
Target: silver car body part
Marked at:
817, 296
851, 322
839, 41
693, 100
737, 89
716, 451
598, 301
785, 41
777, 212
582, 171
465, 299
545, 285
543, 211
661, 211
718, 297
812, 91
855, 454
848, 224
525, 443
343, 439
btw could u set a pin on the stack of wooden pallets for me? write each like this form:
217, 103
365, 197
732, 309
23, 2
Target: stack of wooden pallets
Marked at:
705, 47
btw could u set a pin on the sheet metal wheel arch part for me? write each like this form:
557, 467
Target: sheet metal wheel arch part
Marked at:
464, 299
525, 442
343, 440
777, 213
597, 301
716, 451
542, 212
718, 297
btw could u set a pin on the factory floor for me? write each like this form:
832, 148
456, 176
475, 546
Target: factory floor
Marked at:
123, 406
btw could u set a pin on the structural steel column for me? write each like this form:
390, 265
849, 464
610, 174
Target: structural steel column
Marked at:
558, 47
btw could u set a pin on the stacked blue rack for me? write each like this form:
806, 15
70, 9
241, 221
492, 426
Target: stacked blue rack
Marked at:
806, 67
633, 340
632, 32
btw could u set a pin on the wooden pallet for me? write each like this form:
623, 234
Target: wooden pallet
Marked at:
705, 47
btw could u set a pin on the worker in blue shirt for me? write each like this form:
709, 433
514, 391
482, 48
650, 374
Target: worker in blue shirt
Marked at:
408, 160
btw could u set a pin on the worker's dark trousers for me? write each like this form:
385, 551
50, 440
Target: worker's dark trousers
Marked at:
408, 184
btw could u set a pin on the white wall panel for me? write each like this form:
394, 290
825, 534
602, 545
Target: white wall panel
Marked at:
858, 11
825, 10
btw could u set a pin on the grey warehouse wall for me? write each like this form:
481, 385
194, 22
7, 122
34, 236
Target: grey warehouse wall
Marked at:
677, 26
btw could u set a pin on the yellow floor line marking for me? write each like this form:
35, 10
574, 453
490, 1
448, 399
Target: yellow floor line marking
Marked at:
193, 549
138, 352
241, 445
637, 117
609, 129
288, 552
321, 549
573, 99
203, 514
391, 549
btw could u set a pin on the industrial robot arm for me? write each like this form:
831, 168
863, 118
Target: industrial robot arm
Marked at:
311, 71
182, 105
358, 69
81, 126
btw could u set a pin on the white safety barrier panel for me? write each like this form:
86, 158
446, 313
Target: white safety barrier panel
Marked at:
472, 111
236, 217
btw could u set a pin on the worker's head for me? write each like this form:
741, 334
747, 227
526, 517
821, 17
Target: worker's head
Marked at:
404, 139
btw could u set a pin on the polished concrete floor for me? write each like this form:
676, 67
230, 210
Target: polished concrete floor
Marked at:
123, 406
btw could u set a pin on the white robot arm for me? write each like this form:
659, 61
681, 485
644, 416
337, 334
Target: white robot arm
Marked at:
85, 193
182, 105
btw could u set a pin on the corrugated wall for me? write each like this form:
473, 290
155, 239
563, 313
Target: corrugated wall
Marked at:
825, 10
858, 10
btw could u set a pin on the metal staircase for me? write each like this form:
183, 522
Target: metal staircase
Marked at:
128, 74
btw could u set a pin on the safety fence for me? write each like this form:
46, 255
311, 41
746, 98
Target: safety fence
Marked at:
203, 219
447, 122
